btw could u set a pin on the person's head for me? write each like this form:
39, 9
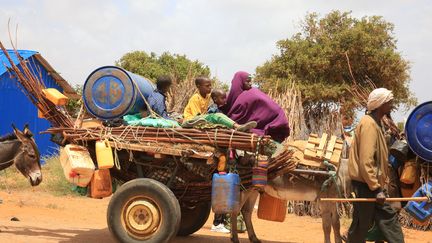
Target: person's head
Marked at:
219, 97
381, 101
163, 83
204, 85
247, 84
241, 81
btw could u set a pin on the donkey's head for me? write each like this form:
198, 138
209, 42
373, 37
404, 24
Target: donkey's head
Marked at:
27, 159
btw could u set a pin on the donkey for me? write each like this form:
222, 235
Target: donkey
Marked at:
287, 187
19, 148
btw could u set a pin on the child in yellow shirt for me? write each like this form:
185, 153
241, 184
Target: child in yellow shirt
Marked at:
196, 110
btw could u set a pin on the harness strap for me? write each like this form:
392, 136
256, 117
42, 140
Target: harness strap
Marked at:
11, 160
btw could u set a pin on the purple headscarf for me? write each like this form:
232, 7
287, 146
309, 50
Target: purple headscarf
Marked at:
253, 105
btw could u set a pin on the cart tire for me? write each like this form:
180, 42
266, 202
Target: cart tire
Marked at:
193, 218
143, 210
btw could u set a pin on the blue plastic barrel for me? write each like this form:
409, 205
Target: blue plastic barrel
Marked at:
112, 92
225, 193
418, 130
421, 211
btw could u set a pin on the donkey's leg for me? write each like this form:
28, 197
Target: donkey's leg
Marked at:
247, 210
326, 218
336, 223
234, 233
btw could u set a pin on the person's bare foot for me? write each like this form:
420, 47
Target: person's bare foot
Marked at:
246, 127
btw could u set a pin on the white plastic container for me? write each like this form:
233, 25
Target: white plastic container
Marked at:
78, 167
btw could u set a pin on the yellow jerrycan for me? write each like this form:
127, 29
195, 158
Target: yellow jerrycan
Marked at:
104, 155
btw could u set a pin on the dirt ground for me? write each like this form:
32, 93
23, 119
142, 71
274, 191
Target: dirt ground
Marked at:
46, 218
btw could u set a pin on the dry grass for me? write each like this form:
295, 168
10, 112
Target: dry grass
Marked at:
180, 94
324, 118
290, 100
53, 180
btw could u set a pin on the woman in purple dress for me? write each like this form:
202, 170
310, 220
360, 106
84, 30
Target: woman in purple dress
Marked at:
245, 104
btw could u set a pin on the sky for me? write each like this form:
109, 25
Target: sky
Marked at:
79, 36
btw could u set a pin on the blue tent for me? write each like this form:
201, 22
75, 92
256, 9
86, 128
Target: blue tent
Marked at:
16, 108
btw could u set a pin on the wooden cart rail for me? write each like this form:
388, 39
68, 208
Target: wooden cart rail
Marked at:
158, 149
217, 138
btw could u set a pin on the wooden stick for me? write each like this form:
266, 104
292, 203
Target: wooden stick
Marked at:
390, 199
310, 172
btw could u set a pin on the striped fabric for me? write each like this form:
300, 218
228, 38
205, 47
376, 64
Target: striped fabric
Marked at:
259, 174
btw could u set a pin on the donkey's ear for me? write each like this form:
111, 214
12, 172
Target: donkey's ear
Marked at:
27, 131
18, 133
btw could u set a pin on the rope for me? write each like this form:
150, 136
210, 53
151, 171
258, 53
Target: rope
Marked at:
230, 140
215, 139
332, 178
116, 159
424, 179
152, 113
11, 160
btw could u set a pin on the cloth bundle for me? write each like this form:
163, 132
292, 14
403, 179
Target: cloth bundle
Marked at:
136, 120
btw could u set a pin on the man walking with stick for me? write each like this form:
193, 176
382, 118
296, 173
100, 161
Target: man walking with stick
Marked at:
368, 169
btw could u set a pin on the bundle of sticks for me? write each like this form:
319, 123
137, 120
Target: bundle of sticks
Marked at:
32, 87
282, 163
222, 138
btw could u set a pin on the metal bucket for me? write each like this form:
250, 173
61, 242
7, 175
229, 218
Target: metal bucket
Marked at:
112, 92
418, 130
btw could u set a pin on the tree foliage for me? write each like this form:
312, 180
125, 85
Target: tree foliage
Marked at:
316, 59
151, 65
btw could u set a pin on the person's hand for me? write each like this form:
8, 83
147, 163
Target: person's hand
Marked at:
380, 198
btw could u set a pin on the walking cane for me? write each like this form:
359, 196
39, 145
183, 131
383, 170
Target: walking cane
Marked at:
390, 199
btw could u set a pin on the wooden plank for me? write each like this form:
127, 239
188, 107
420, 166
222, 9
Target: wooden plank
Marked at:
335, 158
309, 153
389, 199
310, 146
320, 149
311, 162
328, 155
313, 140
310, 150
338, 146
330, 147
331, 143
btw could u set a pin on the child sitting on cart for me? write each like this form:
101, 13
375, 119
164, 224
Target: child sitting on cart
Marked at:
196, 114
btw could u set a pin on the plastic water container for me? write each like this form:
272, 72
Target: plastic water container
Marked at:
409, 172
421, 211
55, 96
101, 184
225, 193
271, 208
78, 167
104, 155
111, 92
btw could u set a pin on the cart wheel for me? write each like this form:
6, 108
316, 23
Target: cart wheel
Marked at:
143, 210
193, 218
